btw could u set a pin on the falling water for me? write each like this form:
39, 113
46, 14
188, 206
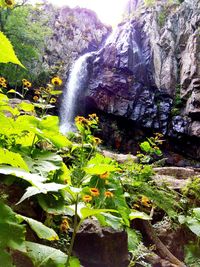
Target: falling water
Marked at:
76, 82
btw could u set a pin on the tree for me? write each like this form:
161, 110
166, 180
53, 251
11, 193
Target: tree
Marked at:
26, 28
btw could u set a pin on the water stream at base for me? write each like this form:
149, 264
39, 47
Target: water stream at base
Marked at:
76, 82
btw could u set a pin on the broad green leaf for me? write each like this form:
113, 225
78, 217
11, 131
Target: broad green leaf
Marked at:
194, 225
99, 165
87, 212
40, 229
32, 178
74, 262
196, 212
44, 162
44, 256
28, 107
5, 259
138, 215
7, 53
15, 92
133, 239
145, 146
53, 203
13, 159
41, 189
12, 234
107, 219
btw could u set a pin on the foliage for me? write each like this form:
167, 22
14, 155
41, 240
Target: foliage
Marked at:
192, 255
192, 220
27, 34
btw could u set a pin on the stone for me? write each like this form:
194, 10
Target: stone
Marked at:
96, 246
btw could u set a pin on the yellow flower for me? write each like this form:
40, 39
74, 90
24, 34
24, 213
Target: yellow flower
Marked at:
35, 98
108, 194
87, 198
104, 175
56, 81
97, 140
26, 83
93, 117
37, 92
64, 226
145, 201
48, 89
2, 80
81, 120
3, 85
52, 100
9, 3
94, 192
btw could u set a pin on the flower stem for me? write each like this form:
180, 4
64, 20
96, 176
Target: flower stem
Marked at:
75, 229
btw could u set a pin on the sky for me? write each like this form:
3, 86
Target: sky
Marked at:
108, 11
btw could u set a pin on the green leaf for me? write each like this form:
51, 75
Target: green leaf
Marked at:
56, 92
194, 225
41, 188
192, 255
14, 92
145, 146
138, 215
99, 165
32, 178
5, 259
196, 212
44, 256
7, 53
45, 162
13, 159
87, 212
107, 219
40, 229
27, 107
74, 262
12, 234
133, 239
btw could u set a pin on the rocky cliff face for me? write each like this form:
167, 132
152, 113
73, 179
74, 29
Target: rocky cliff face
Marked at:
75, 31
148, 72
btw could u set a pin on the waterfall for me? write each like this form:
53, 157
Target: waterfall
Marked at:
76, 83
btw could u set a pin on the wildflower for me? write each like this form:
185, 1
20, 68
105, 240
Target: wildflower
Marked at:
104, 175
9, 3
93, 117
64, 226
87, 198
48, 89
108, 194
81, 120
56, 81
2, 80
94, 192
37, 92
26, 83
3, 85
97, 140
53, 100
145, 201
35, 98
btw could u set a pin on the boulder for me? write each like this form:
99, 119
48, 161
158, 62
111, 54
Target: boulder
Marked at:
96, 246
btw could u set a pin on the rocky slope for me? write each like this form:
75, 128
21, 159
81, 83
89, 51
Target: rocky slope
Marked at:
148, 74
74, 32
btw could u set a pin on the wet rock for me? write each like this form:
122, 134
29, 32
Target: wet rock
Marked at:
148, 62
75, 31
96, 246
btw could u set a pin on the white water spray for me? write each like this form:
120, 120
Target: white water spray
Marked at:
76, 82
